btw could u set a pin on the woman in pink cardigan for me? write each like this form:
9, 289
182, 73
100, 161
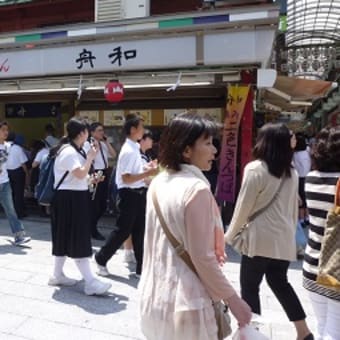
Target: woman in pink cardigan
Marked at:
176, 303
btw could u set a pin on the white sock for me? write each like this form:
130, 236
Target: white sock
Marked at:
59, 262
84, 267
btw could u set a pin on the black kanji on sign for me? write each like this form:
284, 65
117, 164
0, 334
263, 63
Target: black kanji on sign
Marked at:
85, 57
118, 54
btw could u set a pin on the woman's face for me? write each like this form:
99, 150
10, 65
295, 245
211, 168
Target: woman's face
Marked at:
201, 154
83, 136
292, 140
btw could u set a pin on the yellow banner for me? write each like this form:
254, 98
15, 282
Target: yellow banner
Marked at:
236, 101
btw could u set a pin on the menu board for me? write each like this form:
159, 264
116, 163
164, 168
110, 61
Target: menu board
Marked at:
145, 114
89, 116
114, 118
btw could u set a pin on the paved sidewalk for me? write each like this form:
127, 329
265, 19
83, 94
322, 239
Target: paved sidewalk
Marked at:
30, 309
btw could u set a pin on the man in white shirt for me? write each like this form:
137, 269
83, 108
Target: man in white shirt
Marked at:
50, 140
18, 175
6, 199
100, 164
131, 201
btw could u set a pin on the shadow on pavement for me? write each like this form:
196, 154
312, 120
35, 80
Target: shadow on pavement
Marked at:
131, 281
101, 305
10, 248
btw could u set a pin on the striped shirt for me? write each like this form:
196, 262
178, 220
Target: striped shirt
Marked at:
320, 190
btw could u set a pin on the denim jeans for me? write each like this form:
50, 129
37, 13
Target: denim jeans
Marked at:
6, 201
300, 236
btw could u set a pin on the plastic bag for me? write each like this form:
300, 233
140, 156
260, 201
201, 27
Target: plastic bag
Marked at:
249, 333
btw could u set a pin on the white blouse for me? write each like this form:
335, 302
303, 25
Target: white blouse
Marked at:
68, 160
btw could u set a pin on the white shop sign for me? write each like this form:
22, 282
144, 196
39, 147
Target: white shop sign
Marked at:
109, 57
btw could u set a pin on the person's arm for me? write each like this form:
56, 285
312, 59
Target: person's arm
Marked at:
110, 149
82, 171
131, 178
200, 233
127, 162
35, 164
24, 167
199, 222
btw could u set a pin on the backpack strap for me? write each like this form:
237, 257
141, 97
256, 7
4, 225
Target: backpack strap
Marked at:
66, 172
61, 180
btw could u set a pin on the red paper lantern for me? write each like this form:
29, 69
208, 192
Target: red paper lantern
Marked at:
114, 91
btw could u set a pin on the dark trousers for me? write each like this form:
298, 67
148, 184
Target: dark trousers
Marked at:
98, 204
131, 205
17, 179
252, 272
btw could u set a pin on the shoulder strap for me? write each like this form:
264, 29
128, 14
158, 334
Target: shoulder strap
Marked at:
66, 172
179, 248
260, 211
337, 196
102, 153
61, 180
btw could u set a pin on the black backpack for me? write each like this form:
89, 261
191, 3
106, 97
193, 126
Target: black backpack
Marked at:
44, 191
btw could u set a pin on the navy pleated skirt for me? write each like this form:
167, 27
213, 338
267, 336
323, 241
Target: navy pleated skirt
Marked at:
71, 224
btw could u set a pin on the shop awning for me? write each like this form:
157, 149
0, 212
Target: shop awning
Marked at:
293, 94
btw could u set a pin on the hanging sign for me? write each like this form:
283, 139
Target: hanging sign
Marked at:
114, 91
226, 184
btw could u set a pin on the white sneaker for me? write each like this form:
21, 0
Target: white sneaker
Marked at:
96, 287
129, 256
136, 276
102, 270
61, 281
20, 238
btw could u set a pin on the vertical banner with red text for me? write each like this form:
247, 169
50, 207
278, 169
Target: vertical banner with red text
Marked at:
236, 101
247, 132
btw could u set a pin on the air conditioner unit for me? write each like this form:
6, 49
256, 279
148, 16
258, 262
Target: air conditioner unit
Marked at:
135, 8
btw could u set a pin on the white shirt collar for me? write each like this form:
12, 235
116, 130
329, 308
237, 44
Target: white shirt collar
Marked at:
133, 143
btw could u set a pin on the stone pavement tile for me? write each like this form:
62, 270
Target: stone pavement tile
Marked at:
6, 336
65, 307
45, 330
10, 322
14, 275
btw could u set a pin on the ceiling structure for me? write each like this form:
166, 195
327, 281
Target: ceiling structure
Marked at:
313, 22
312, 39
309, 53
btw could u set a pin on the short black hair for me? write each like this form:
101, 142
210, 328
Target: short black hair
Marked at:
131, 120
94, 125
326, 151
273, 146
301, 144
147, 134
49, 128
3, 123
183, 131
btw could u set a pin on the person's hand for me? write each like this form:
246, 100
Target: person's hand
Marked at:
240, 309
91, 154
152, 168
219, 246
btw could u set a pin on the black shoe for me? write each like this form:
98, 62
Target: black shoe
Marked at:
98, 236
309, 337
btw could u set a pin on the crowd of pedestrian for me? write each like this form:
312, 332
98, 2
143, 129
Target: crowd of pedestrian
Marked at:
171, 202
